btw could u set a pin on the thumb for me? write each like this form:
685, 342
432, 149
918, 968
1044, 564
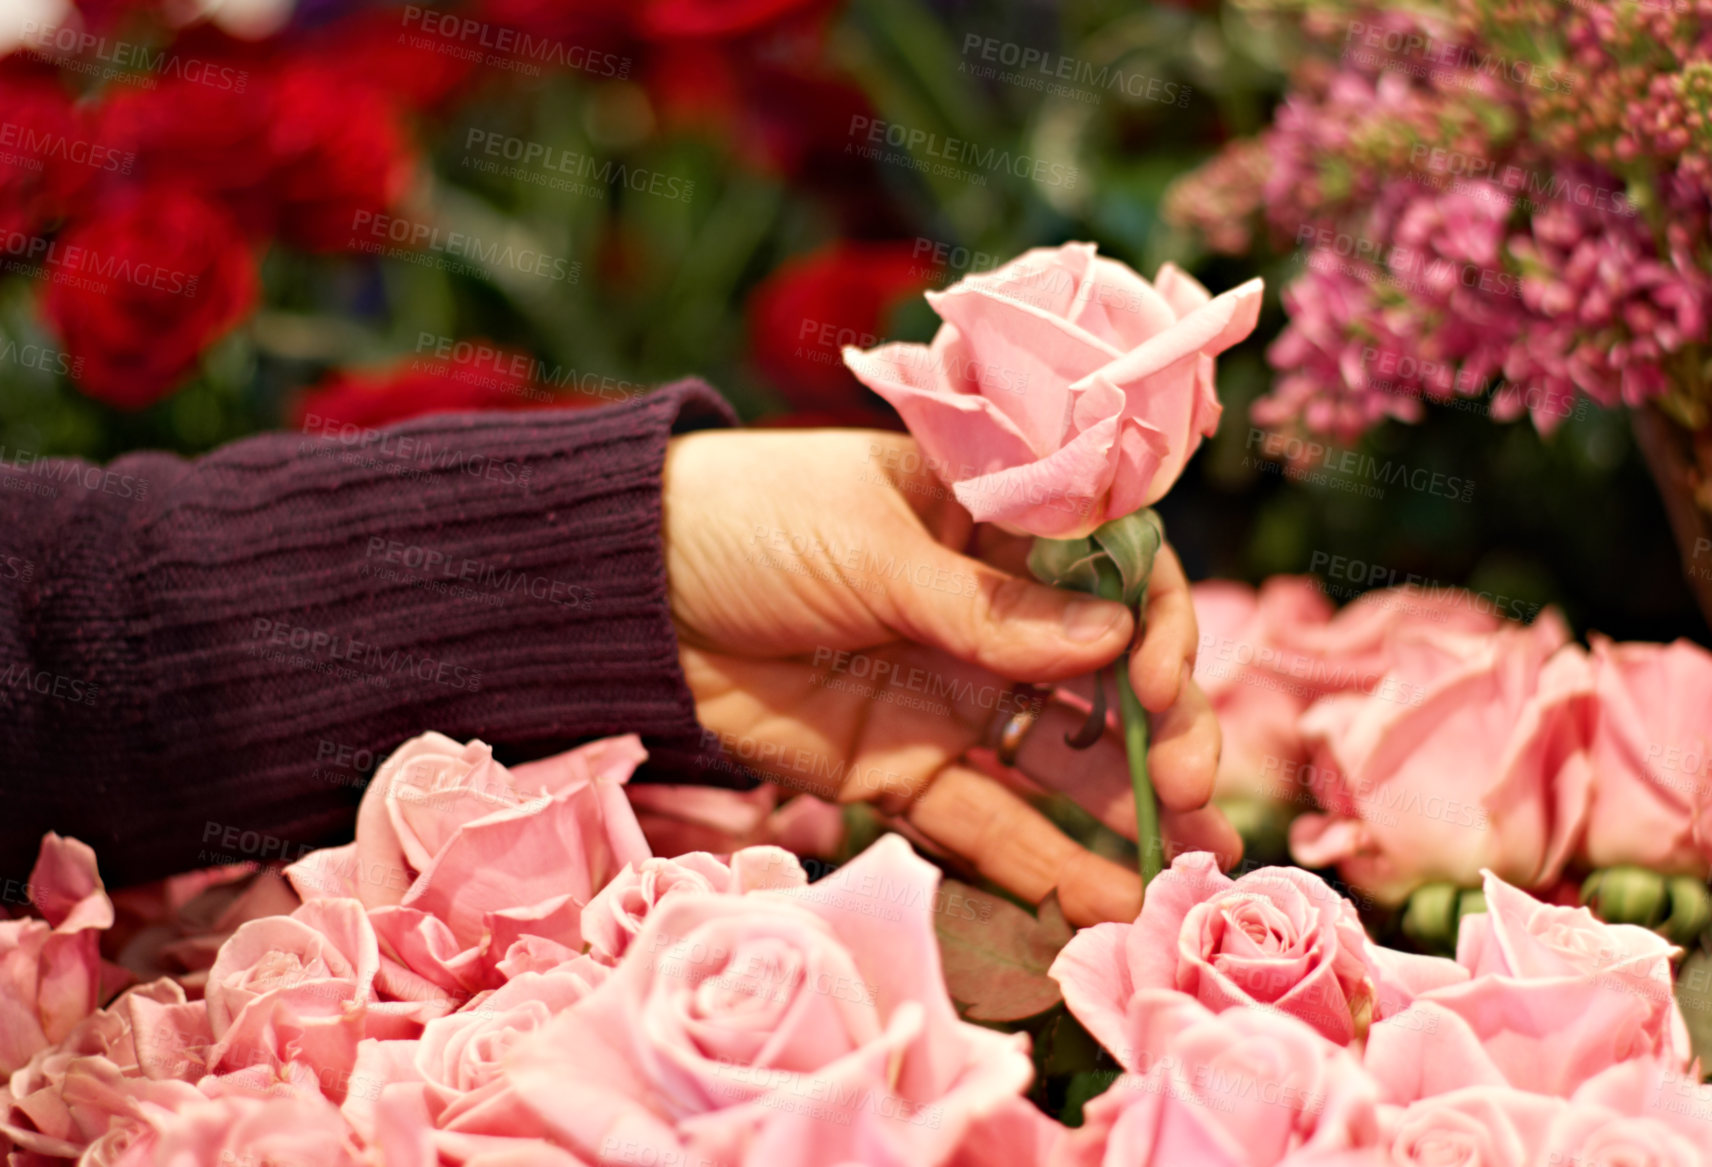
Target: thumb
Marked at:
1016, 627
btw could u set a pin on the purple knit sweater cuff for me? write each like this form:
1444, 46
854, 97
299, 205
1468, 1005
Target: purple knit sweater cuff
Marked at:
253, 631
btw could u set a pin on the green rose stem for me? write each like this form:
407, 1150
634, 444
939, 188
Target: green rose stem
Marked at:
1115, 563
1146, 805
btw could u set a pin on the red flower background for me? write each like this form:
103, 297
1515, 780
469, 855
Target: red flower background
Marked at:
220, 216
150, 204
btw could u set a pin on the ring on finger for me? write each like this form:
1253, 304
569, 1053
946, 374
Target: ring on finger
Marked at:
1030, 702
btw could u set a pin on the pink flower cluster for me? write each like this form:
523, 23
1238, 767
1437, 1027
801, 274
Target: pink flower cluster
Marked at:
497, 972
1258, 1025
1431, 735
1484, 196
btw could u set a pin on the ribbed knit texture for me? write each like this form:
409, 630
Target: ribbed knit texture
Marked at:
192, 650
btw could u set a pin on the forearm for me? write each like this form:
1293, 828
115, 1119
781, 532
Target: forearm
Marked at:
230, 647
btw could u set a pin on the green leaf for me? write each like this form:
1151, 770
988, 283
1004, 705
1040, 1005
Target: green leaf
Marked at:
996, 955
1085, 1086
1694, 995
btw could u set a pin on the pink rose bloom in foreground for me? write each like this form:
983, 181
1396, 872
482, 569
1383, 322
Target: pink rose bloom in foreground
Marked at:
1471, 754
241, 1131
175, 926
301, 989
1652, 756
1590, 1135
617, 912
1062, 389
1556, 998
1242, 1087
50, 967
63, 1100
680, 819
1277, 937
729, 1014
465, 865
1492, 1127
449, 1088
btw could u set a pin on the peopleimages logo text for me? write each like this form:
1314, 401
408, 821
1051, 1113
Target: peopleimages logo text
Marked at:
874, 132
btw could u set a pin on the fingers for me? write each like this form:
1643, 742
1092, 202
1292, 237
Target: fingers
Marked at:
999, 547
1166, 656
1183, 755
1016, 627
1096, 778
1201, 830
1015, 846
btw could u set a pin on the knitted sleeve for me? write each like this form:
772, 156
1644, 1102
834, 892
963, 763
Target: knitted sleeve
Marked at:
192, 651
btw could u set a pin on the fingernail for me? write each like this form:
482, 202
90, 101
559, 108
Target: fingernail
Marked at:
1086, 621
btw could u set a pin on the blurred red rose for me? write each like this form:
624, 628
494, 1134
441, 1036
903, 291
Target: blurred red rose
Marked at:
589, 24
139, 289
295, 151
479, 376
104, 14
780, 109
338, 151
802, 316
46, 152
201, 136
371, 49
716, 18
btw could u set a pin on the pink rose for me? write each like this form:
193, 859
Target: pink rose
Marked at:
1265, 656
1594, 1137
1469, 754
1278, 937
453, 1076
1557, 998
1354, 650
730, 1012
1651, 747
1519, 937
617, 912
291, 1130
51, 1110
1062, 389
1668, 1096
1263, 753
50, 968
460, 860
1492, 1127
680, 819
175, 926
1016, 1133
1239, 1088
300, 989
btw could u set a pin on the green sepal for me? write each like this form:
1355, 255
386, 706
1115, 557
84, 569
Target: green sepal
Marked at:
1432, 915
1067, 563
1627, 894
1131, 543
1690, 910
1116, 561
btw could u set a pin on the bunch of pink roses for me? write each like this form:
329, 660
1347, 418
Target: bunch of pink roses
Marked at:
1430, 735
1257, 1024
498, 973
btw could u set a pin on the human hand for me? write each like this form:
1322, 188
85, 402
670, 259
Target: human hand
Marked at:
838, 640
